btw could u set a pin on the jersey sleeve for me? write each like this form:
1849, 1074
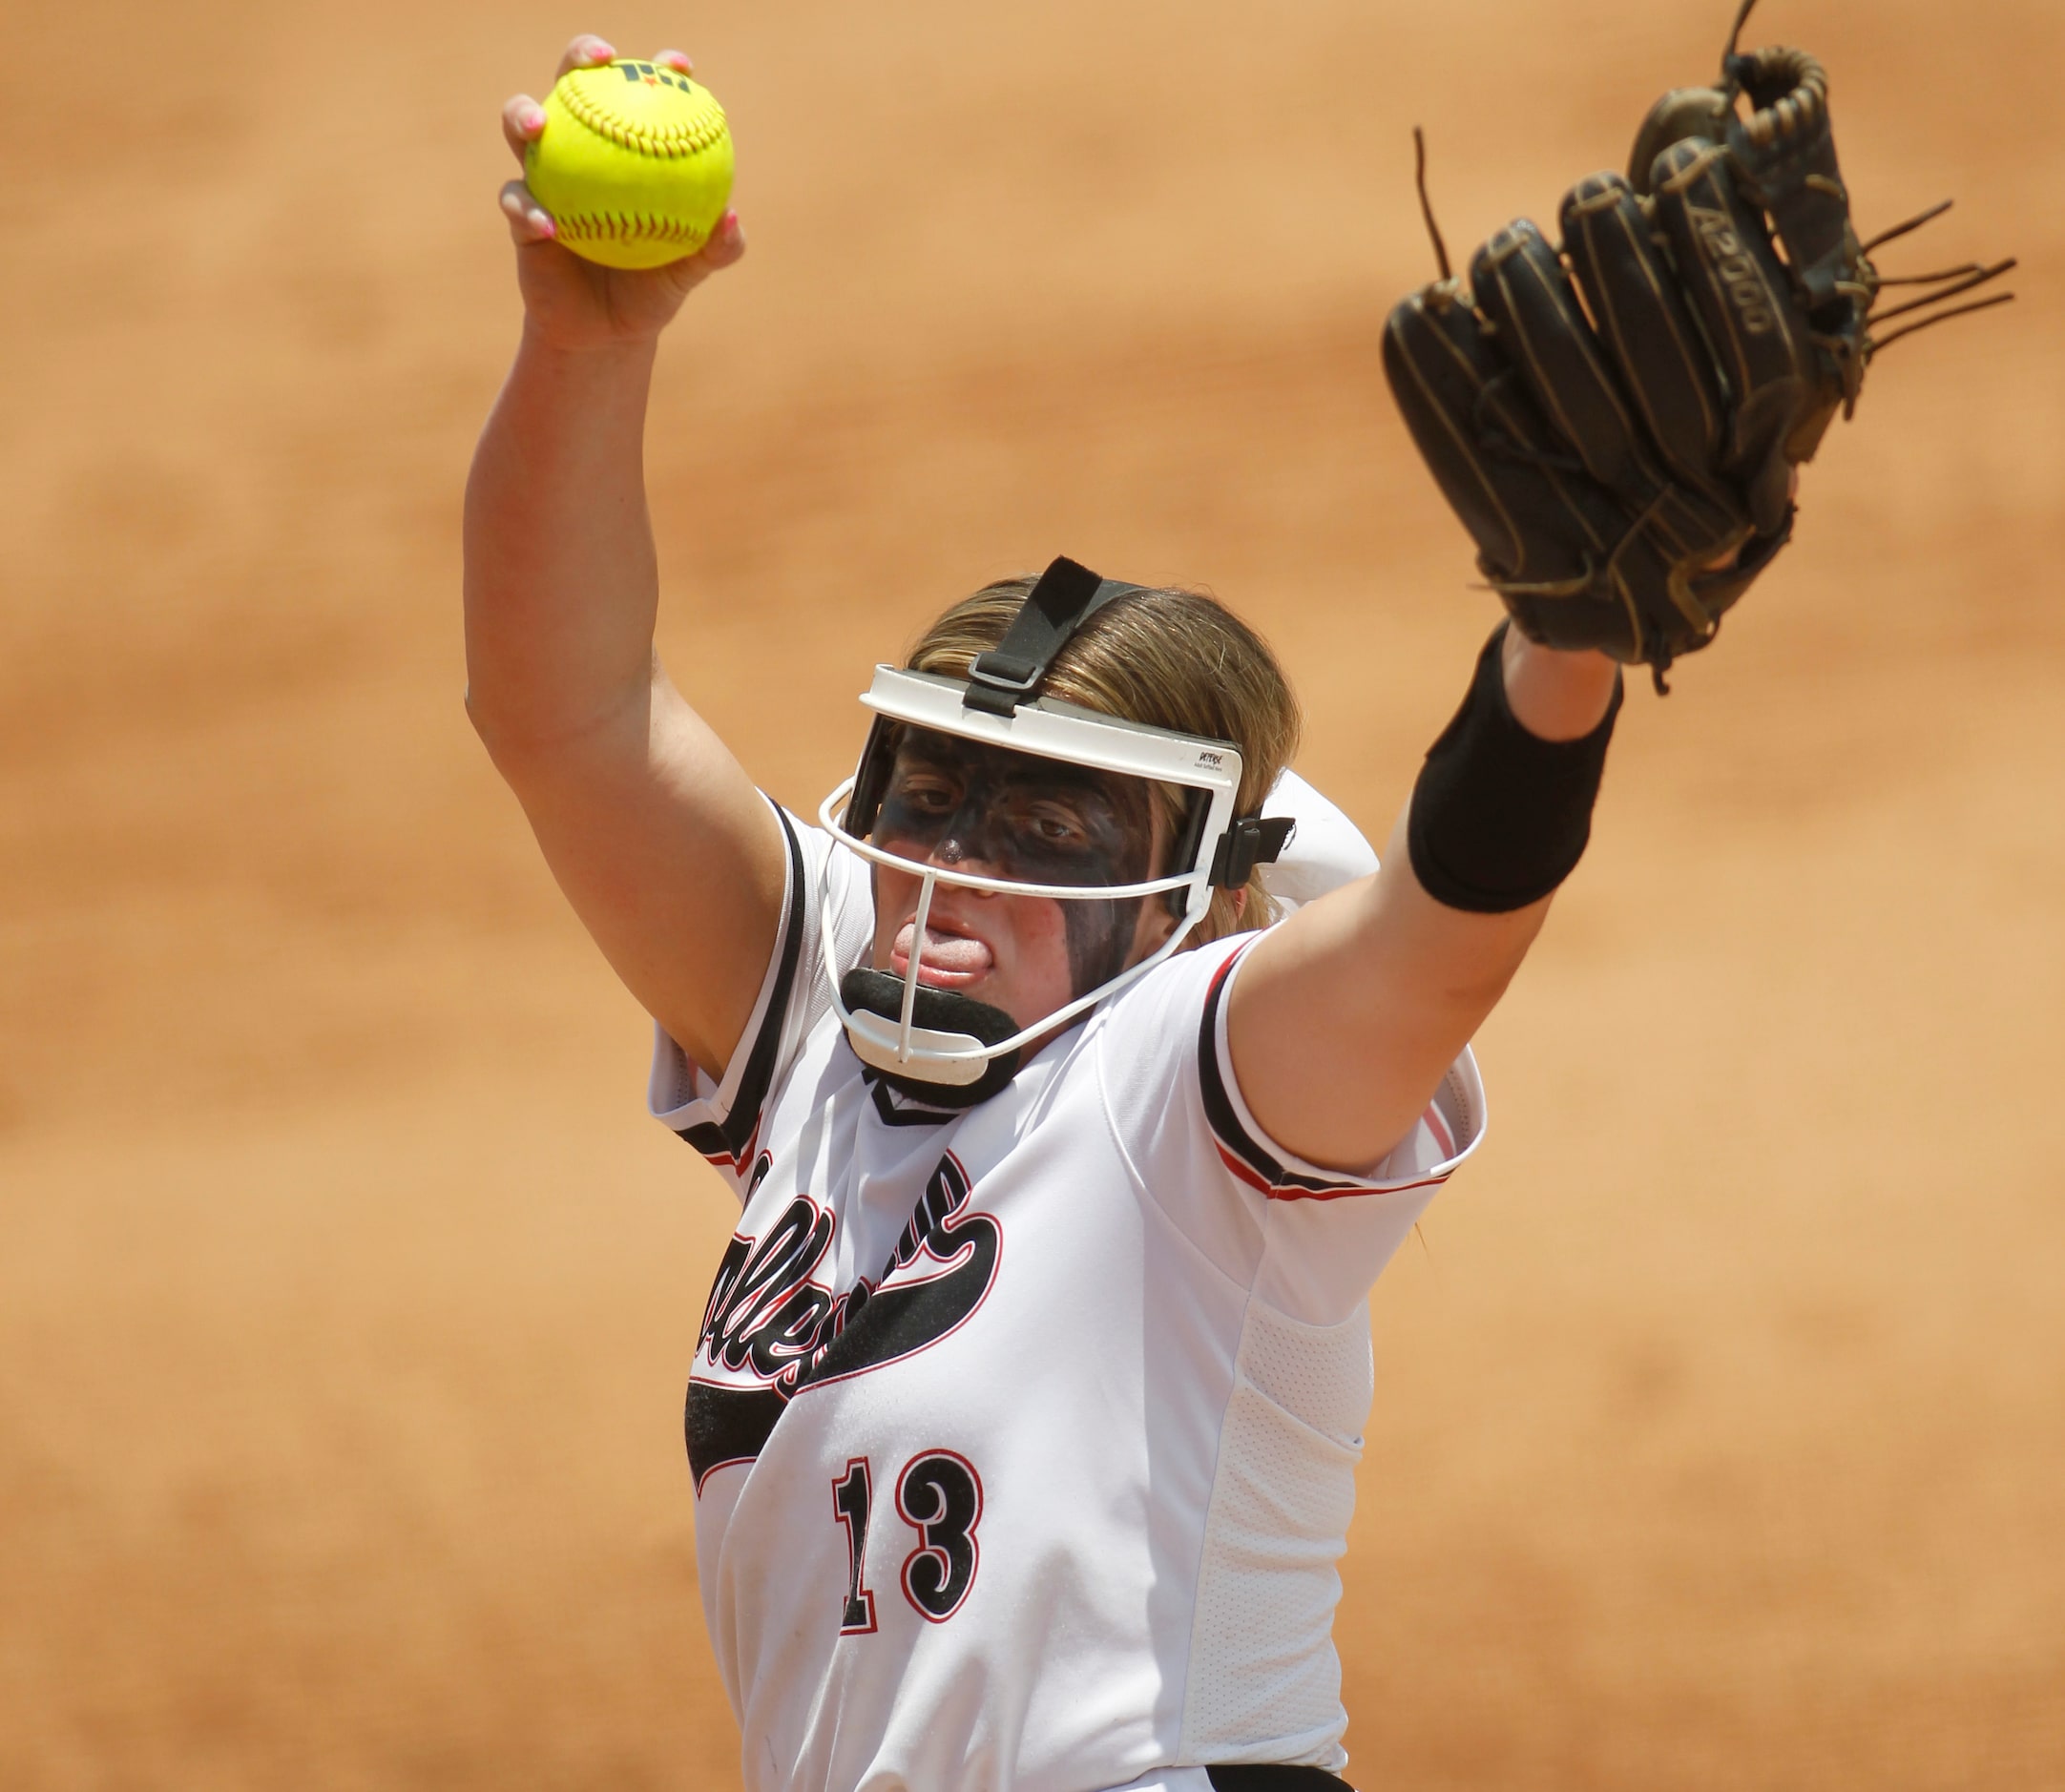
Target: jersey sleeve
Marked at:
722, 1118
1308, 1240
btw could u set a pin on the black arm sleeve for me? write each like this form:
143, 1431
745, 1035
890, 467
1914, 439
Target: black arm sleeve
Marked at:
1501, 817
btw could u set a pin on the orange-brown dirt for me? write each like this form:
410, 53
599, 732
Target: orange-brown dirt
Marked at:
346, 1296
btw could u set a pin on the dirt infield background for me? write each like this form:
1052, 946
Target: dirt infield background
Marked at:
345, 1296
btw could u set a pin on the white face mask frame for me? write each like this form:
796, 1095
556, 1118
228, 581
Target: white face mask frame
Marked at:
1044, 728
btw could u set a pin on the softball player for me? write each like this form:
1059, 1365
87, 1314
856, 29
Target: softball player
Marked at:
1077, 1073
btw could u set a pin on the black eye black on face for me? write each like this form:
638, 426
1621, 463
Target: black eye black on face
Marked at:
1064, 815
925, 790
1041, 820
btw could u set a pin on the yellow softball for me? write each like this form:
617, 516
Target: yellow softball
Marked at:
634, 163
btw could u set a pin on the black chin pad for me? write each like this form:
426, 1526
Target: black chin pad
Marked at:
941, 1010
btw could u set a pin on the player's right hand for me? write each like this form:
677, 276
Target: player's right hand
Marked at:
576, 303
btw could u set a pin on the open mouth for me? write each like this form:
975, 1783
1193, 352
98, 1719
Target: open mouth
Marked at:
950, 960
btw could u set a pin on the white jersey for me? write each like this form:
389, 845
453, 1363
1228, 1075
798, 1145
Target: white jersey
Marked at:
1024, 1437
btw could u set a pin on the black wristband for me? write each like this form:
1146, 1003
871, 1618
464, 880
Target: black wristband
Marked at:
1500, 816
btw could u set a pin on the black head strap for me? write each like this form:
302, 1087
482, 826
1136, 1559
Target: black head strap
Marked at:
1011, 671
1250, 841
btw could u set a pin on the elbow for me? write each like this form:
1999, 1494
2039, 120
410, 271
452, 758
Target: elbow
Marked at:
511, 748
530, 742
487, 726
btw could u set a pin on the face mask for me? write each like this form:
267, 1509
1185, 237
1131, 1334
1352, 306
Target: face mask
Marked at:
963, 789
974, 806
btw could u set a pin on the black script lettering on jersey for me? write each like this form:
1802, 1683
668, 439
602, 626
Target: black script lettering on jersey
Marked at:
764, 1294
899, 1318
768, 1319
946, 1193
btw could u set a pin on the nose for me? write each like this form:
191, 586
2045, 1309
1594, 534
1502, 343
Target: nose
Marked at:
957, 851
953, 853
966, 841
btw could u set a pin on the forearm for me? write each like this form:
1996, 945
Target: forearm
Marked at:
561, 580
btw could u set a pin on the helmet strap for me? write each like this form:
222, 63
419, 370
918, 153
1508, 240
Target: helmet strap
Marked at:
1067, 595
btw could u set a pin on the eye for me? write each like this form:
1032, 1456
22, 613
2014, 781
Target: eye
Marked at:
925, 793
1053, 825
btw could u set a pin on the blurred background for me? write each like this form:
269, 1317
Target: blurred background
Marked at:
346, 1294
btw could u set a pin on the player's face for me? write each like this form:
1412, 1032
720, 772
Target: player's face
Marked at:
996, 813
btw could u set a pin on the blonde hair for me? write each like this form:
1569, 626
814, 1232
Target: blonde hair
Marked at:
1171, 659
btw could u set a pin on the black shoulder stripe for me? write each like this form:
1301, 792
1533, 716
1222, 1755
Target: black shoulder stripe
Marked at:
1218, 1112
1244, 1154
734, 1136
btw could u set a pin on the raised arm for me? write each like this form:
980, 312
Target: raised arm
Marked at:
654, 831
1345, 1018
1617, 418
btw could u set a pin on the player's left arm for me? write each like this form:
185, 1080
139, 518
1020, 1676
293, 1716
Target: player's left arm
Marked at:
1618, 421
1344, 1020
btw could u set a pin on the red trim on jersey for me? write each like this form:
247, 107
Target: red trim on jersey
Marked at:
1241, 1171
737, 1161
1254, 1161
1289, 1192
729, 1462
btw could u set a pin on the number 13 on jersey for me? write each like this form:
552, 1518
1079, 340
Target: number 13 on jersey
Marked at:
938, 1495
